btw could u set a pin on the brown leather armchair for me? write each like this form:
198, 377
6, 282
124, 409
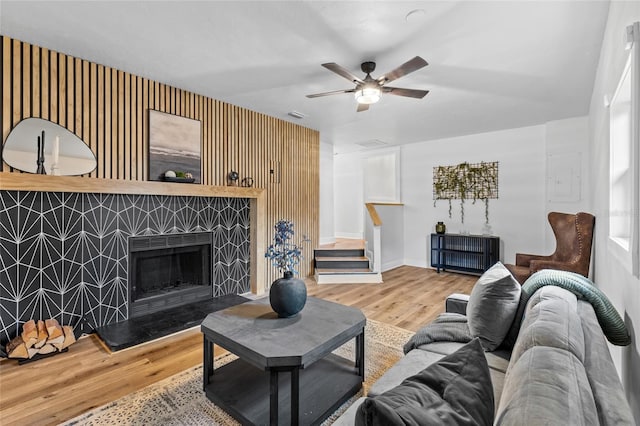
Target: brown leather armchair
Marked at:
574, 234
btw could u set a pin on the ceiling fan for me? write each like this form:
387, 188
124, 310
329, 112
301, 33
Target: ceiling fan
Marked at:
369, 90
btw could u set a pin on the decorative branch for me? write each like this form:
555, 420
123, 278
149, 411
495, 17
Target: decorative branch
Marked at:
478, 181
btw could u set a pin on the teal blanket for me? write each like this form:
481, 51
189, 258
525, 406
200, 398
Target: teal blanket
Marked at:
612, 325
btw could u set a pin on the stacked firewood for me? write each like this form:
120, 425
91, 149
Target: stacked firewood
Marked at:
41, 337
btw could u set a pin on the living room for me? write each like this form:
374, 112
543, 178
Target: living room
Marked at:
316, 184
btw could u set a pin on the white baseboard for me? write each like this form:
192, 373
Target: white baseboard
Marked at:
386, 266
420, 263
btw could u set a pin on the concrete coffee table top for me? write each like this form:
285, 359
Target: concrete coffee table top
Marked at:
255, 333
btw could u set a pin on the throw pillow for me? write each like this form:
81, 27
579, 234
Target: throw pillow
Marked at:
455, 390
493, 304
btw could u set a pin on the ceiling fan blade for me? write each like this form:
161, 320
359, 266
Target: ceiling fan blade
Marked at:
335, 92
341, 71
410, 93
404, 69
363, 107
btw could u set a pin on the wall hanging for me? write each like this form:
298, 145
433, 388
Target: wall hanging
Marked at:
41, 146
174, 145
466, 181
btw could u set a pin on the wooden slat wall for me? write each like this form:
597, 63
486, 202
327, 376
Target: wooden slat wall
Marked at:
107, 109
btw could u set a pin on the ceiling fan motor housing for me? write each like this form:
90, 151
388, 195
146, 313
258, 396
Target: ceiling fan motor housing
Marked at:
368, 67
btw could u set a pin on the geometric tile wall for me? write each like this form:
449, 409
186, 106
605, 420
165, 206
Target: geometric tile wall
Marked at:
64, 255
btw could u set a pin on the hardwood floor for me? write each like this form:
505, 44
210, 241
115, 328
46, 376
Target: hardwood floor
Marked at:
59, 388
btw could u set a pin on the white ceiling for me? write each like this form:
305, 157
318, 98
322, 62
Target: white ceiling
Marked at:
492, 64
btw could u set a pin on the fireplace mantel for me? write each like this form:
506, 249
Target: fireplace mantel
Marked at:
49, 183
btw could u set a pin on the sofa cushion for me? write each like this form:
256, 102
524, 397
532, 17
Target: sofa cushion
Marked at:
612, 405
547, 386
454, 390
612, 324
492, 306
410, 364
551, 321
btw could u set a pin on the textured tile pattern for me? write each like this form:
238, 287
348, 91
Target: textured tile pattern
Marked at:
64, 255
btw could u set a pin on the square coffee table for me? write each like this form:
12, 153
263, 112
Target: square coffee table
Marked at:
253, 389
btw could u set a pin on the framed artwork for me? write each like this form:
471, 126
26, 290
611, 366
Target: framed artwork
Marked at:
174, 144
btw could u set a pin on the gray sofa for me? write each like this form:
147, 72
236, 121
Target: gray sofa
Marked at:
559, 371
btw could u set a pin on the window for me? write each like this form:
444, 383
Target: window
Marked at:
624, 158
621, 185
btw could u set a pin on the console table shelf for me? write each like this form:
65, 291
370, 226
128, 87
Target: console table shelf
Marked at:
472, 254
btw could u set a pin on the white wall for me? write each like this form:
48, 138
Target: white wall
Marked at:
348, 188
610, 275
327, 227
567, 139
518, 216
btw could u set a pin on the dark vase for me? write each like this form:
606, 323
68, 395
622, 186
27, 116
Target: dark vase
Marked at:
287, 295
441, 228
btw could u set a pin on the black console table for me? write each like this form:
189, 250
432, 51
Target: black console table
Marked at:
465, 253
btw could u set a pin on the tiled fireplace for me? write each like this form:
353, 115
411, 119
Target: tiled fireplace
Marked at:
66, 255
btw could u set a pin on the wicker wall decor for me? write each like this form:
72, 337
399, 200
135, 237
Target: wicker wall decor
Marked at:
466, 181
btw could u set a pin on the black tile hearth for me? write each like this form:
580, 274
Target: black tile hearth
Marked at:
134, 331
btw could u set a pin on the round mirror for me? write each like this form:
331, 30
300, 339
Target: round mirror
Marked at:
63, 154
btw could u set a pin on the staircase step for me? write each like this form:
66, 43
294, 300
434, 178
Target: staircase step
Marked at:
342, 262
347, 276
334, 271
338, 252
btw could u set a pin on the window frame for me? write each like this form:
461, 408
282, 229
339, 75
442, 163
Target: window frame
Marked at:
628, 249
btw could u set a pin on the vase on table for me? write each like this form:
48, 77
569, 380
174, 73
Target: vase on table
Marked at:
287, 295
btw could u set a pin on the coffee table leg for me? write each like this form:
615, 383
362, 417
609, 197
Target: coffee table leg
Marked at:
360, 354
207, 369
273, 398
295, 396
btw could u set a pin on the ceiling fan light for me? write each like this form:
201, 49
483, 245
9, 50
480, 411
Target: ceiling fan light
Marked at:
368, 95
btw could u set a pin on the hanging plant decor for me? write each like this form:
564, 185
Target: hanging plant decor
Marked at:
465, 181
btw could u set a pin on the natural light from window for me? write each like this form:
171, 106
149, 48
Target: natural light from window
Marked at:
621, 173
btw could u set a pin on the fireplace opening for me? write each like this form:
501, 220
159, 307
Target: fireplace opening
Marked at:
168, 270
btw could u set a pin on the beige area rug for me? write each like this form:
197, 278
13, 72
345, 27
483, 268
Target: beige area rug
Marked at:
180, 400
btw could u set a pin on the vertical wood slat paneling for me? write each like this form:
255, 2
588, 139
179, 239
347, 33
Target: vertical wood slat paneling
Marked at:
108, 109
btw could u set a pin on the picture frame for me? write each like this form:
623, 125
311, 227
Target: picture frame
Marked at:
174, 145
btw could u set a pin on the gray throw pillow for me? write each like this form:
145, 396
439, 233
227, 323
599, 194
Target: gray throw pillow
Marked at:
493, 304
456, 390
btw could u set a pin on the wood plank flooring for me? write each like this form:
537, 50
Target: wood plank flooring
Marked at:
59, 388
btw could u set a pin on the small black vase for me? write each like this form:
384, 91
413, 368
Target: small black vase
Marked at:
441, 228
287, 295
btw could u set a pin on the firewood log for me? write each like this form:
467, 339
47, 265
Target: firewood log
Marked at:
69, 337
30, 333
42, 335
53, 328
56, 343
47, 349
17, 349
33, 351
